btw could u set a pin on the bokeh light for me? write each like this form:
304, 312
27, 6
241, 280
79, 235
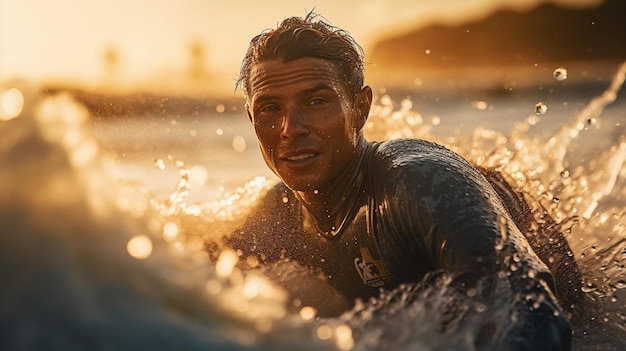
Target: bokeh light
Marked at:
139, 247
11, 104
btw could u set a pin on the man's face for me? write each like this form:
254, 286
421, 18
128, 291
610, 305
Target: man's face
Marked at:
305, 121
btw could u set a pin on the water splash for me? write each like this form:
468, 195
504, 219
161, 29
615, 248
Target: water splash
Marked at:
72, 223
177, 197
584, 195
85, 262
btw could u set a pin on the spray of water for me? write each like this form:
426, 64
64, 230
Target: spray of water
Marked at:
85, 253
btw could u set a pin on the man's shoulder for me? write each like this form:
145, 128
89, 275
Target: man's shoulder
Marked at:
396, 145
407, 155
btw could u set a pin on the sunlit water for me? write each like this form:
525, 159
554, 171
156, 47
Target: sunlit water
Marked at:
104, 224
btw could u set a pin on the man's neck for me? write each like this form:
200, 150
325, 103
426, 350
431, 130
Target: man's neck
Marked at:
327, 210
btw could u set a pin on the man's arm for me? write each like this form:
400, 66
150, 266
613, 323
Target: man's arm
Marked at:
442, 207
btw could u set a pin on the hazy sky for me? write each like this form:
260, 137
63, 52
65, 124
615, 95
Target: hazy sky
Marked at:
48, 39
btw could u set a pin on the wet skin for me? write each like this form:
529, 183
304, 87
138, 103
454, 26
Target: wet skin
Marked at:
308, 126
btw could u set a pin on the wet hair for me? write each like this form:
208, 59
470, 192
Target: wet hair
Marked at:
297, 38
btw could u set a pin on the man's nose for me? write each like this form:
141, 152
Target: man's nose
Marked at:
294, 124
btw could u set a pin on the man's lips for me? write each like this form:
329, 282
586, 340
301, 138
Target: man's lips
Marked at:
299, 159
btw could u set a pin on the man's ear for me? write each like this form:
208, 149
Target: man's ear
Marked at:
363, 103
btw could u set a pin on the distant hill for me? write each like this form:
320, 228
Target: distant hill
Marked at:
545, 34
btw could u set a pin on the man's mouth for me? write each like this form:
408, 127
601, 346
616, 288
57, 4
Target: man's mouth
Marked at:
300, 157
299, 161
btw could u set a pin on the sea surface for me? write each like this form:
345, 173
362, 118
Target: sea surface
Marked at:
105, 218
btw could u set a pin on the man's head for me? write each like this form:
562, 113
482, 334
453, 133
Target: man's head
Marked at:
305, 97
306, 37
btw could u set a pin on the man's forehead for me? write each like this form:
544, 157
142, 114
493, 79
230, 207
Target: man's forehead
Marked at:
266, 74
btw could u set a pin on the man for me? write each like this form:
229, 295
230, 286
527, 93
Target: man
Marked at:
366, 215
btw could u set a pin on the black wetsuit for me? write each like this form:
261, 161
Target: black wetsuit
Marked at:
418, 207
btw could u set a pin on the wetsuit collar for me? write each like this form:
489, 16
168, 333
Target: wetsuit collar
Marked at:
330, 213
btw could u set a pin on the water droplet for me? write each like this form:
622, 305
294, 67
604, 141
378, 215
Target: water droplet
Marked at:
481, 308
159, 164
556, 199
589, 287
479, 105
435, 120
220, 108
541, 108
226, 263
406, 104
560, 74
285, 199
620, 284
219, 131
324, 332
565, 174
316, 191
533, 120
170, 231
343, 338
239, 144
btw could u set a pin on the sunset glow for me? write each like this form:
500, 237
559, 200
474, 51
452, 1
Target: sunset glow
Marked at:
137, 43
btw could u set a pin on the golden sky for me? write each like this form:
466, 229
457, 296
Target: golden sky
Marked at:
67, 39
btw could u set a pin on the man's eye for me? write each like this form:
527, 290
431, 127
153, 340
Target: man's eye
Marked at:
268, 108
317, 101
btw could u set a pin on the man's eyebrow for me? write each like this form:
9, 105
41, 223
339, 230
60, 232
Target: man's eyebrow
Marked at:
264, 98
311, 90
318, 87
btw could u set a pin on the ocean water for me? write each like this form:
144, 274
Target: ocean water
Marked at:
104, 222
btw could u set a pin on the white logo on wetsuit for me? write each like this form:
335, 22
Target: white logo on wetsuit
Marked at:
373, 272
